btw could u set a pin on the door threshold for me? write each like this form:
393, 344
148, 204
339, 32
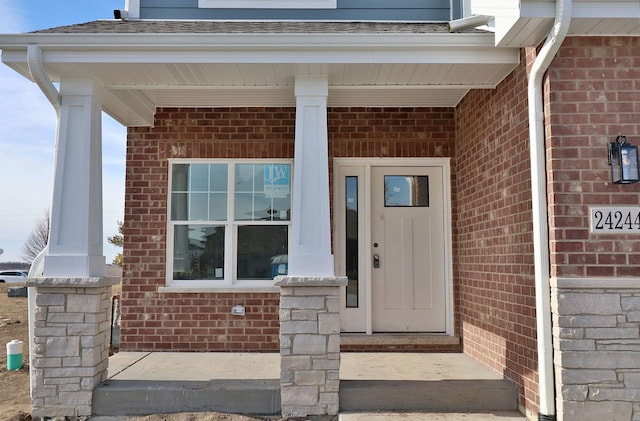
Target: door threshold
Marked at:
398, 342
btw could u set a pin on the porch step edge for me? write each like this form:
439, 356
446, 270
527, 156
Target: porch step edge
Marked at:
474, 395
135, 397
432, 416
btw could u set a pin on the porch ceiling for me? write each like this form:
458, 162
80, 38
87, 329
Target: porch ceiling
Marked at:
143, 71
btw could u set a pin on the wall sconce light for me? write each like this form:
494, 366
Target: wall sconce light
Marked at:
623, 158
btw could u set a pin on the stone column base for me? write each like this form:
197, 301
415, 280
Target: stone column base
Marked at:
310, 345
70, 349
596, 338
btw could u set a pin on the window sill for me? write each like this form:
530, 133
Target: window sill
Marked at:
218, 290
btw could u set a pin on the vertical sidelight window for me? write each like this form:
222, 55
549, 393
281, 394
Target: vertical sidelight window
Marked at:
351, 189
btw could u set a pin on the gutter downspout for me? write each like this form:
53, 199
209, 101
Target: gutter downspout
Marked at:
539, 207
468, 22
36, 69
34, 59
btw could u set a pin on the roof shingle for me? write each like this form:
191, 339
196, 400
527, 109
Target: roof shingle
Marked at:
243, 27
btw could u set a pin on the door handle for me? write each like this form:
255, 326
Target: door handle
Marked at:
376, 261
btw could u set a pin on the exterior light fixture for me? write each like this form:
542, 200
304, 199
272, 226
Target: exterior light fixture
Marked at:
623, 159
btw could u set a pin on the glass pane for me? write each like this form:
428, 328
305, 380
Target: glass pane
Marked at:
180, 177
243, 207
218, 181
179, 206
244, 178
282, 209
351, 187
217, 207
262, 251
406, 190
199, 207
258, 177
198, 252
261, 208
199, 177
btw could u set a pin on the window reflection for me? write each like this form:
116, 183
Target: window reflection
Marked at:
198, 252
262, 251
263, 192
351, 189
199, 192
406, 191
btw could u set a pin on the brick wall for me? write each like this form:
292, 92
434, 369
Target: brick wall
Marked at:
202, 321
595, 85
494, 223
153, 321
595, 96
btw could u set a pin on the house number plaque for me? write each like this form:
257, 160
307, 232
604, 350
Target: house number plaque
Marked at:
615, 219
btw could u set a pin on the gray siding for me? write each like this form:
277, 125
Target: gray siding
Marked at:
350, 10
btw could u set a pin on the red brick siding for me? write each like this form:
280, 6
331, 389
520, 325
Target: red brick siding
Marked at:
153, 321
595, 96
495, 270
201, 322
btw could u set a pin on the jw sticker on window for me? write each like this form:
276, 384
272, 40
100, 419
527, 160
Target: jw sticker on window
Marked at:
277, 181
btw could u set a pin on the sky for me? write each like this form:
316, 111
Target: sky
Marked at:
28, 130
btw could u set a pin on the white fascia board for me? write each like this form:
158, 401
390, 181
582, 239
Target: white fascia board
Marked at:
611, 9
260, 48
513, 16
417, 56
546, 8
153, 41
495, 8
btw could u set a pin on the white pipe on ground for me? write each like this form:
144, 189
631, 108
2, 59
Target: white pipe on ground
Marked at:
539, 204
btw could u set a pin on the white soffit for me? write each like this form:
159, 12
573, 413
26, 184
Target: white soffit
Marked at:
520, 23
141, 73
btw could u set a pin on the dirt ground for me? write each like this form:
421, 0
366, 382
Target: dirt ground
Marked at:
15, 404
14, 384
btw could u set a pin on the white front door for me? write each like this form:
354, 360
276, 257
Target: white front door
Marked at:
408, 284
392, 240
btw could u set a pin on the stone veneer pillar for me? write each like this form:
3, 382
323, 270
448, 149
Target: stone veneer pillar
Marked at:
310, 345
70, 349
596, 339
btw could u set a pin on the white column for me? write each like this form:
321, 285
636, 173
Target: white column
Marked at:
310, 248
75, 239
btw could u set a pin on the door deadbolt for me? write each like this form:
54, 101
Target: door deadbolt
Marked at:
376, 261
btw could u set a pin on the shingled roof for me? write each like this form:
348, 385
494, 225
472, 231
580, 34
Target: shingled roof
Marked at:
244, 27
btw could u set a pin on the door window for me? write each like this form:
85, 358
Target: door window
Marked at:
406, 191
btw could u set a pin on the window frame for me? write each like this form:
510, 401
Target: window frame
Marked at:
230, 225
267, 4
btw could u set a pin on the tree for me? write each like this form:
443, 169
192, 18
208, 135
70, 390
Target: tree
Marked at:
37, 240
118, 241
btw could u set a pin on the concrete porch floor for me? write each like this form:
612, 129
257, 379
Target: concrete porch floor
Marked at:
368, 382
